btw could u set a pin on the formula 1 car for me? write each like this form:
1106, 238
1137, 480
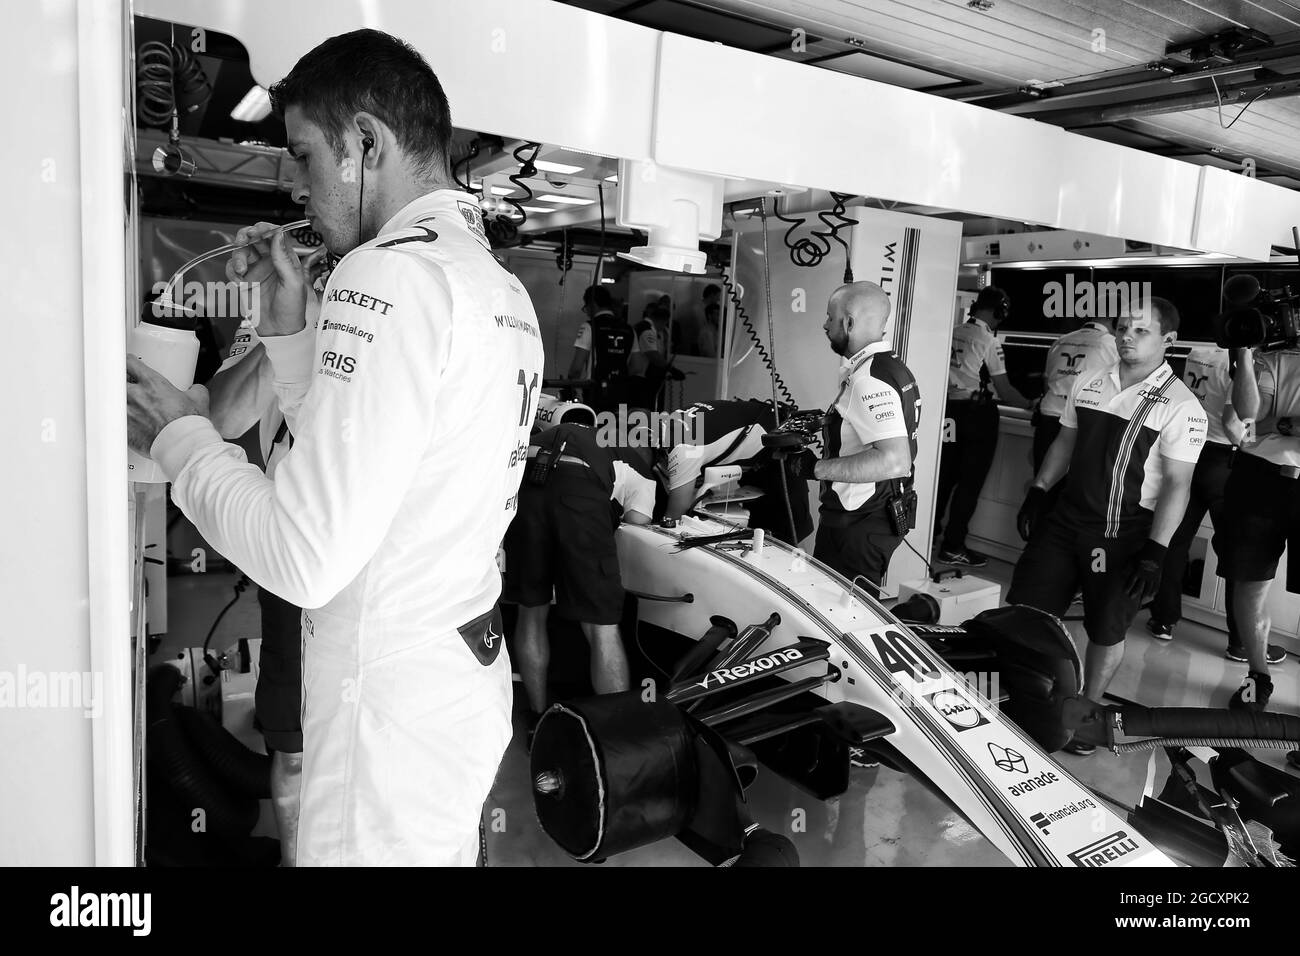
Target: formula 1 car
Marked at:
826, 669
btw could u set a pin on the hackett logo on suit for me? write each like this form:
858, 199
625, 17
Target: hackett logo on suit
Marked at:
359, 299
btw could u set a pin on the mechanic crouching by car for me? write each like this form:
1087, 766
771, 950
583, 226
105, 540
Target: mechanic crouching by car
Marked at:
562, 541
867, 502
1262, 498
1130, 438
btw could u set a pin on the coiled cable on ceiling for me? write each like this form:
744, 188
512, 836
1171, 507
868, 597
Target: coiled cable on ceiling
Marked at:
153, 83
809, 251
503, 228
841, 220
169, 79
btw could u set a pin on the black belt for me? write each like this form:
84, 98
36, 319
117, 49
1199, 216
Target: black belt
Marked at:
1290, 472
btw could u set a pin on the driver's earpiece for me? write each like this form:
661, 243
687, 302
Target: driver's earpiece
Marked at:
367, 144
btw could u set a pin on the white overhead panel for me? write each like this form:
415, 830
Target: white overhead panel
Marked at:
1242, 215
733, 113
558, 74
546, 72
1120, 191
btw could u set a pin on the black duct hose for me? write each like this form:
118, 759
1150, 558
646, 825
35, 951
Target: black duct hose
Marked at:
170, 750
1206, 722
244, 771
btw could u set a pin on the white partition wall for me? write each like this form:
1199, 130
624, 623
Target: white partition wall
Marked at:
65, 717
914, 259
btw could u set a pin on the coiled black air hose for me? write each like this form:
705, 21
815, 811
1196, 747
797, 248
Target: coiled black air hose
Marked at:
171, 751
244, 771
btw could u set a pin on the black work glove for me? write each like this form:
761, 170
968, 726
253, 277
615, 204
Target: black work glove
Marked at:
1144, 579
802, 464
1029, 512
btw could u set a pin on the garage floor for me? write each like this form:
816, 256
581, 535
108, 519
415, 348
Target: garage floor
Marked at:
885, 818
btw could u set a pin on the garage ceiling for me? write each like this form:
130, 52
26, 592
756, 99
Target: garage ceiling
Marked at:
1102, 68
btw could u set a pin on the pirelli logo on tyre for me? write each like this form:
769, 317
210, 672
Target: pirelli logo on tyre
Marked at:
957, 709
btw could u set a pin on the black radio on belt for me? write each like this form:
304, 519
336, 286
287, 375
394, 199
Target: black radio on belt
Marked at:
542, 464
902, 512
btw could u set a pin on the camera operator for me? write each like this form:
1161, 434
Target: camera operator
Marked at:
1262, 508
1207, 375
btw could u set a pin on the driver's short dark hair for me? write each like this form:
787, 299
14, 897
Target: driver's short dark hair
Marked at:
371, 71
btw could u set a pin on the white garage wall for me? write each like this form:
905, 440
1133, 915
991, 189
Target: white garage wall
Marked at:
65, 618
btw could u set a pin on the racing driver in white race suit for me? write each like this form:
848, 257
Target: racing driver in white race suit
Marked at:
408, 404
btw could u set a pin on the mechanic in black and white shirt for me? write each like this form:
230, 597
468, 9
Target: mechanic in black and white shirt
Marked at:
870, 439
1085, 350
972, 413
1130, 437
603, 350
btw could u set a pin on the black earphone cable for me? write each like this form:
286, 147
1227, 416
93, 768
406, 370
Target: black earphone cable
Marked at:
473, 151
367, 144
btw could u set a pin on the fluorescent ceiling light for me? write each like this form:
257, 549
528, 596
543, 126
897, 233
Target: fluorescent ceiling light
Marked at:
501, 191
612, 179
541, 209
254, 107
567, 200
556, 167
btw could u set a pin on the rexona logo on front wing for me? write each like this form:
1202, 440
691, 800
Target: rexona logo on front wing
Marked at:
1109, 849
757, 666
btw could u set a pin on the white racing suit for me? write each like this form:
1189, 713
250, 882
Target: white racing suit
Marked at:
408, 403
